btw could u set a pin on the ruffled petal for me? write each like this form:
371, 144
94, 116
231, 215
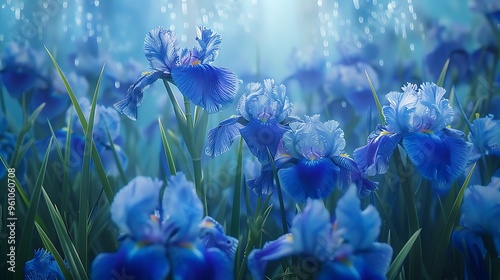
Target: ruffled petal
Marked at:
133, 206
212, 235
309, 178
360, 228
398, 115
350, 174
221, 137
373, 158
42, 266
161, 49
263, 184
135, 94
182, 210
205, 85
132, 261
439, 158
261, 136
311, 231
279, 248
209, 42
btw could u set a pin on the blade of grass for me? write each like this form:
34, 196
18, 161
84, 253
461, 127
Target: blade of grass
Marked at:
28, 124
81, 241
442, 76
166, 147
280, 194
47, 243
81, 117
416, 266
377, 101
115, 156
395, 267
25, 245
76, 267
439, 259
235, 213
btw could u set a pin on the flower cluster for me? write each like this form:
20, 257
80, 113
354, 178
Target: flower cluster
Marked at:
165, 235
191, 70
420, 119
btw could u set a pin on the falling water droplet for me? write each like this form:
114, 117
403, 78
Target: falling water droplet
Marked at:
163, 9
344, 104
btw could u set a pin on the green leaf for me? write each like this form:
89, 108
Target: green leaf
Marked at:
280, 194
166, 148
81, 241
398, 261
235, 215
444, 240
81, 117
377, 101
76, 267
442, 76
115, 156
25, 245
28, 124
200, 127
47, 243
179, 114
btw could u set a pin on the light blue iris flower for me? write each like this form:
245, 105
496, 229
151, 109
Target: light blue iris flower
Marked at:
479, 222
264, 115
165, 235
485, 135
346, 249
419, 119
191, 70
43, 266
106, 120
313, 162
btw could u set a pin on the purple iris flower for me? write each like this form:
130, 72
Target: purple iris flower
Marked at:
191, 70
165, 236
420, 120
346, 249
479, 222
313, 161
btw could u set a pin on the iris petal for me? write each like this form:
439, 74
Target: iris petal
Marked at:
135, 94
373, 158
132, 261
258, 258
205, 85
161, 47
182, 210
470, 244
309, 178
374, 262
221, 137
361, 227
439, 158
133, 206
209, 42
261, 136
350, 174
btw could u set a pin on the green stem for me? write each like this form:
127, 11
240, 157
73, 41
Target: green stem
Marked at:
411, 210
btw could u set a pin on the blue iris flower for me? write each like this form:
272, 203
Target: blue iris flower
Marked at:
264, 115
165, 235
20, 69
479, 221
191, 70
346, 249
106, 120
313, 162
485, 135
420, 120
43, 266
